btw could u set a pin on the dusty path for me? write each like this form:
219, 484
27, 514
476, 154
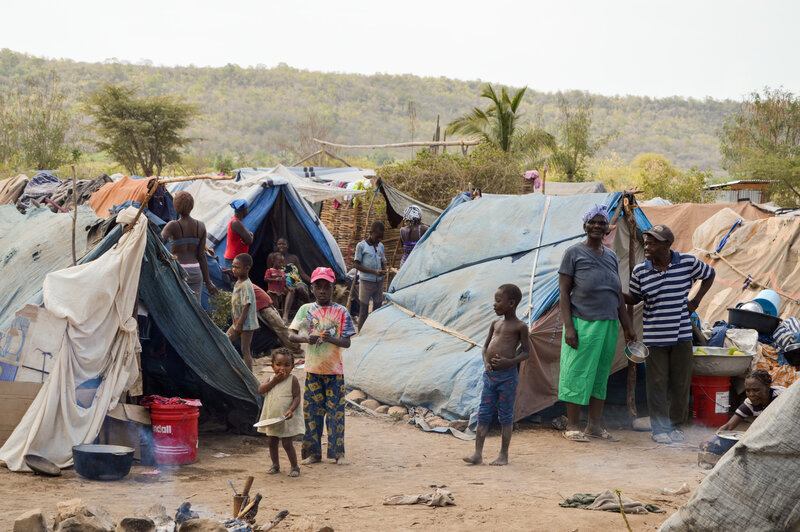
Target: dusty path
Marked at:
388, 458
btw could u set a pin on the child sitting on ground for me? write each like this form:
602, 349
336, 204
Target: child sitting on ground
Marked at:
760, 393
500, 359
243, 306
282, 400
326, 328
278, 283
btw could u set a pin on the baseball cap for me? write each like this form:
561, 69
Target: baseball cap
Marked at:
239, 204
661, 232
323, 273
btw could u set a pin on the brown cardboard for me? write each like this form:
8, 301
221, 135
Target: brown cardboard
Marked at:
134, 413
15, 397
124, 425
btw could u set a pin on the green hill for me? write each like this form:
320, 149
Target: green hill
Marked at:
253, 113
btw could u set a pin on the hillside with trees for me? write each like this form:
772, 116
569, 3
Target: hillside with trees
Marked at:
263, 115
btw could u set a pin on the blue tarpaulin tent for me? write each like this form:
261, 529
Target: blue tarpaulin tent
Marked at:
424, 347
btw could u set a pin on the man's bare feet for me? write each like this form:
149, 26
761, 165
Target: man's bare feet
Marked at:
502, 459
311, 460
475, 459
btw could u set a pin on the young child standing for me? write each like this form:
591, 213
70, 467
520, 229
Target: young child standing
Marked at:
278, 283
326, 328
500, 361
370, 261
282, 400
243, 306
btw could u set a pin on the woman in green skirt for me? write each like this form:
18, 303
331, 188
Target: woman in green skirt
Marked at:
592, 308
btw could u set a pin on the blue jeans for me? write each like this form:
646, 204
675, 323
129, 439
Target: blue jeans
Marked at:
499, 392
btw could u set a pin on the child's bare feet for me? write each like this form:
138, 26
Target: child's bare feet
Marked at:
502, 459
475, 459
295, 472
311, 460
274, 469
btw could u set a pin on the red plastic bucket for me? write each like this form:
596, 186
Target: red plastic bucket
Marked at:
711, 400
174, 433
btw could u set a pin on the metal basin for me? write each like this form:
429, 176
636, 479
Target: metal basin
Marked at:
718, 363
102, 462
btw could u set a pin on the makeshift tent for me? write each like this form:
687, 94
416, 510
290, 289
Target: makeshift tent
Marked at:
276, 209
560, 188
315, 173
117, 193
754, 486
185, 354
757, 254
424, 347
397, 202
684, 218
33, 245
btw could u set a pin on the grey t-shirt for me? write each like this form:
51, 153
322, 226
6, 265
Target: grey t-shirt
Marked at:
595, 283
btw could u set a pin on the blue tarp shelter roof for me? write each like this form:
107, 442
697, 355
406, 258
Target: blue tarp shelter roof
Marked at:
450, 278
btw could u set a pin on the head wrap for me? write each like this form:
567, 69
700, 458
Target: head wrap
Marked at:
239, 204
412, 213
597, 210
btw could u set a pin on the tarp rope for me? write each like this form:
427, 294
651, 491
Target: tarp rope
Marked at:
518, 254
528, 312
436, 325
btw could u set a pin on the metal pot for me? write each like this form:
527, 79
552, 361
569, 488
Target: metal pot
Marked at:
728, 438
763, 323
792, 354
102, 462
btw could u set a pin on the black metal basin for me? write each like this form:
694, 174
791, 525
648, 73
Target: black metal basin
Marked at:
102, 462
747, 319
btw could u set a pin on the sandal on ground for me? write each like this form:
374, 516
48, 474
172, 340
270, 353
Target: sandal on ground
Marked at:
662, 437
295, 472
274, 469
575, 435
677, 436
605, 435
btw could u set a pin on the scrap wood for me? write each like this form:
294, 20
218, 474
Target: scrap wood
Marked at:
275, 520
436, 325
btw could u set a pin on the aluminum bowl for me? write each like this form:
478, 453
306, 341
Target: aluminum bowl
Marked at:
718, 363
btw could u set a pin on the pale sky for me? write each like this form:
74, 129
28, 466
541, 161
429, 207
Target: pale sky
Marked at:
722, 49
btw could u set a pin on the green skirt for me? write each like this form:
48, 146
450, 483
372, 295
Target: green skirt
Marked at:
584, 371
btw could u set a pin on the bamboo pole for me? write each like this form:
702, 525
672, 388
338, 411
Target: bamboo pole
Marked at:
210, 177
399, 144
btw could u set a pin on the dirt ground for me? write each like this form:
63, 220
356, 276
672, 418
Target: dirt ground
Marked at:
388, 457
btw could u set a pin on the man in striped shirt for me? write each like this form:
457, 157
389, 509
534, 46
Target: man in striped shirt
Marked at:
663, 281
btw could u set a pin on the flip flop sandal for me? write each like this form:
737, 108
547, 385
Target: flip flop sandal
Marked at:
575, 435
274, 469
661, 437
602, 436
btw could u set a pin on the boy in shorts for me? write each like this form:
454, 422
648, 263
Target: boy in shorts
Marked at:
500, 360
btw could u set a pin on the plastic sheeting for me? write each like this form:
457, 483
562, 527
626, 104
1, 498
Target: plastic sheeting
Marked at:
765, 250
473, 247
754, 486
12, 188
117, 193
315, 173
99, 341
31, 246
397, 202
212, 206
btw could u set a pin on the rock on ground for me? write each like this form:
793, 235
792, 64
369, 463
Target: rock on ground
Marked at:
69, 508
459, 424
398, 411
371, 404
202, 525
310, 524
30, 521
84, 523
437, 421
383, 409
356, 396
136, 524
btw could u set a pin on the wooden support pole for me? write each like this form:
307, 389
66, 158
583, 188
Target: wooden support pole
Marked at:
74, 212
462, 143
630, 384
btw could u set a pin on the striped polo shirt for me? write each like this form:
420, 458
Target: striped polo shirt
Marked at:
666, 316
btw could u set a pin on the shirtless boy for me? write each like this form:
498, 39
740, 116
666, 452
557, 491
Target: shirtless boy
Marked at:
500, 359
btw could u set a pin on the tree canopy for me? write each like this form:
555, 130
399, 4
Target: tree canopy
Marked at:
498, 124
762, 141
142, 133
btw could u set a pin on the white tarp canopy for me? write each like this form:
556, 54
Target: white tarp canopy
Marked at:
91, 307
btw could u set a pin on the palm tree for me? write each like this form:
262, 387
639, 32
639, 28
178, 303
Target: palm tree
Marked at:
497, 125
